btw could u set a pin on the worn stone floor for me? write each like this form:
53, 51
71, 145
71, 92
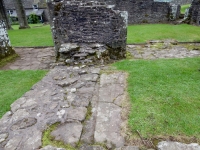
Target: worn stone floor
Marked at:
87, 101
32, 58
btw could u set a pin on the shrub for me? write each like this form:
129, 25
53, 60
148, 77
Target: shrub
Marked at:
33, 19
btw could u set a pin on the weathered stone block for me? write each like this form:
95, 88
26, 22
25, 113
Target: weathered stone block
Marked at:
5, 46
87, 32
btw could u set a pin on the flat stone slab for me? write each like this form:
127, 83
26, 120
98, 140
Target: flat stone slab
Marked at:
32, 58
49, 147
108, 121
69, 133
128, 148
164, 145
93, 147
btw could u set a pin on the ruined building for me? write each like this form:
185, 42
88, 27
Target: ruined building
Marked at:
194, 13
87, 32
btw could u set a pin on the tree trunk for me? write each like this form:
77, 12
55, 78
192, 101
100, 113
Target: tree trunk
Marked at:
3, 15
23, 23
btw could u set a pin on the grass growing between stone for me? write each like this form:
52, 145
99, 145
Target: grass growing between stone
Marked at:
11, 58
37, 35
184, 7
47, 139
145, 32
164, 96
14, 83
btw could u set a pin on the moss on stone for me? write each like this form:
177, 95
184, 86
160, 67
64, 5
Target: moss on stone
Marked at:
47, 139
8, 59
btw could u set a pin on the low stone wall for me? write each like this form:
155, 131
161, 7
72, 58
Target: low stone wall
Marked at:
194, 13
181, 2
87, 32
5, 46
142, 11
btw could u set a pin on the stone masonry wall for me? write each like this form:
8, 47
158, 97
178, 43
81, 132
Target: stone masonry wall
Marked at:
5, 46
87, 32
181, 2
142, 11
194, 12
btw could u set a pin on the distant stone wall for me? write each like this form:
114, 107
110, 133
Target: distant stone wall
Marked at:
142, 11
5, 46
181, 2
87, 32
194, 12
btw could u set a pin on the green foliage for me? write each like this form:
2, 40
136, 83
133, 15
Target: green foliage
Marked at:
33, 19
184, 7
164, 95
146, 32
14, 83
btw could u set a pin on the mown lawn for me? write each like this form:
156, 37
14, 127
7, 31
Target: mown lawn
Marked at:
164, 95
41, 35
37, 35
145, 32
14, 83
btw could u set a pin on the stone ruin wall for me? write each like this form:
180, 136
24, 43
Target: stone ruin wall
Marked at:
5, 46
194, 13
87, 32
142, 11
181, 2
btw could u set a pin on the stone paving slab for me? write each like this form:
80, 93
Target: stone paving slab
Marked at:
86, 104
32, 59
162, 49
108, 122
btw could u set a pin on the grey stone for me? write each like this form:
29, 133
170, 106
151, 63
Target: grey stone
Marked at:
90, 77
17, 104
24, 123
110, 93
108, 127
20, 114
77, 113
128, 148
13, 143
91, 147
49, 147
69, 133
34, 141
67, 82
3, 137
96, 70
164, 145
81, 100
64, 48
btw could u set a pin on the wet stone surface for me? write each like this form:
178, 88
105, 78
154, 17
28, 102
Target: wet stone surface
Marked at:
32, 59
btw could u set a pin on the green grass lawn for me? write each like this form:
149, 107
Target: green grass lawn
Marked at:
184, 7
164, 95
37, 35
41, 36
14, 83
145, 32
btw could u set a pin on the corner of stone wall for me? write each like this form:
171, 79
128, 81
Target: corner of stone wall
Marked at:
5, 46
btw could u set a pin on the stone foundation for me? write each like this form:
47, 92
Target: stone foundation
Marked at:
5, 46
87, 32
